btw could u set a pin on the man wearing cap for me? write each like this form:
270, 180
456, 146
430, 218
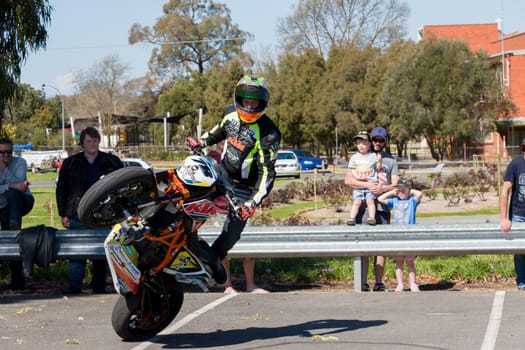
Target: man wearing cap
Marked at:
388, 174
514, 184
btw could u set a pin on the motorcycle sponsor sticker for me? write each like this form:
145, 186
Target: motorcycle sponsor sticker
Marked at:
184, 263
200, 210
125, 271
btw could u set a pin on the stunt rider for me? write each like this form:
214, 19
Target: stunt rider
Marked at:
250, 149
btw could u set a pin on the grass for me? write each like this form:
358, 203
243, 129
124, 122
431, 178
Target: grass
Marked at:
44, 210
490, 211
311, 270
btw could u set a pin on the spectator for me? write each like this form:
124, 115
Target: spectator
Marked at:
404, 201
388, 175
248, 264
77, 174
16, 201
514, 186
252, 141
363, 165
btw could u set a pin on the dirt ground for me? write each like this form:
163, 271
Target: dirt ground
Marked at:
328, 215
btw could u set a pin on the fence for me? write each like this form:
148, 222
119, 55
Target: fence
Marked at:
359, 242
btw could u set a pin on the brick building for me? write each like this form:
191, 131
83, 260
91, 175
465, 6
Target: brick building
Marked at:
507, 52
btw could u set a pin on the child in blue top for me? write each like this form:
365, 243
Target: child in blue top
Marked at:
404, 201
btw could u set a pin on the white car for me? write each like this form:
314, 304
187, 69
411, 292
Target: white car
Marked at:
137, 162
287, 164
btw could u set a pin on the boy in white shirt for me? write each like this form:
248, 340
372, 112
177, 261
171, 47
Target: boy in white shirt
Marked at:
363, 165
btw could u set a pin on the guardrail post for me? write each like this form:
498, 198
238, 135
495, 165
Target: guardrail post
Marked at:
358, 274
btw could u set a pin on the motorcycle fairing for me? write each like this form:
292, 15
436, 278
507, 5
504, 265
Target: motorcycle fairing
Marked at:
200, 210
123, 261
185, 262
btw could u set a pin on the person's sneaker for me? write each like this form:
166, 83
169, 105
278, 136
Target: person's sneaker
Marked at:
414, 287
350, 222
400, 287
366, 287
371, 221
521, 286
380, 287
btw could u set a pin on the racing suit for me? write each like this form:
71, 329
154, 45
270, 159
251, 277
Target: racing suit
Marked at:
248, 158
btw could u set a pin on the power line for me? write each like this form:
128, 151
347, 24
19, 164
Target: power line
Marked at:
150, 43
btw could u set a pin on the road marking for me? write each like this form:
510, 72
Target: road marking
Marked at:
489, 342
184, 321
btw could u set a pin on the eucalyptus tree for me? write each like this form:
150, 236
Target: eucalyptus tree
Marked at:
443, 92
191, 35
20, 109
22, 29
220, 83
292, 94
183, 101
339, 97
323, 24
389, 90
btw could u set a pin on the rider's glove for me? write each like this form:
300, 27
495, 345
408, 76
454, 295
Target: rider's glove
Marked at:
247, 209
193, 143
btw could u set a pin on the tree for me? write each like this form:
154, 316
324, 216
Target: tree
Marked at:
102, 90
183, 100
389, 92
292, 94
192, 34
443, 92
22, 28
220, 84
323, 24
338, 97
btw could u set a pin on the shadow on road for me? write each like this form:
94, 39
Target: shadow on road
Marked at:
240, 336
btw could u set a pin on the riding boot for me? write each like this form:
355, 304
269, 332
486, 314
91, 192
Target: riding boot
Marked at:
202, 249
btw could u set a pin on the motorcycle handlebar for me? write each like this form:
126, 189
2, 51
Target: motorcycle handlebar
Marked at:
224, 180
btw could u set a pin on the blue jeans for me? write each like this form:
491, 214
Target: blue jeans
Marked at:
77, 268
18, 205
519, 260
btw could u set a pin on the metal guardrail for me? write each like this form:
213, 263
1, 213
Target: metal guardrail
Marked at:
359, 242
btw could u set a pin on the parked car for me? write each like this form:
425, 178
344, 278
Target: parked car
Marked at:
309, 162
287, 164
137, 162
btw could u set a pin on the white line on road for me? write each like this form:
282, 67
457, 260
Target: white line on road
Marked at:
185, 321
489, 342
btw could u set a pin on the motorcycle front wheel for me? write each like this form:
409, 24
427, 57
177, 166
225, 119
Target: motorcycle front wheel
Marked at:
141, 316
104, 203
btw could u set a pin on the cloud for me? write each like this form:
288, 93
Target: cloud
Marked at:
66, 82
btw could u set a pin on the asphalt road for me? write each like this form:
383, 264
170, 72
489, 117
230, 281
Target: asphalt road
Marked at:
292, 321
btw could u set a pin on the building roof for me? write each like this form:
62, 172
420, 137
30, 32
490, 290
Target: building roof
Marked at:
477, 36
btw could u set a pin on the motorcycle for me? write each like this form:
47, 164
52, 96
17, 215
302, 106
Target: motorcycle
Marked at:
153, 247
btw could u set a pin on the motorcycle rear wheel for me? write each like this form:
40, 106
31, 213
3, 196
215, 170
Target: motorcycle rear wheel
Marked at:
103, 203
141, 316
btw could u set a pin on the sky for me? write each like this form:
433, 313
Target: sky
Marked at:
82, 33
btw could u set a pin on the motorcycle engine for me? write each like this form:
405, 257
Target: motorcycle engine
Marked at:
153, 254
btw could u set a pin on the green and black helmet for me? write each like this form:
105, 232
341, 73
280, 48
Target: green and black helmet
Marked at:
253, 88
